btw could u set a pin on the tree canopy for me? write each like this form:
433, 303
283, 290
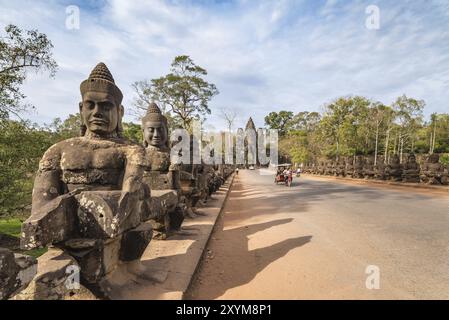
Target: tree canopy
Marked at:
20, 52
355, 125
183, 93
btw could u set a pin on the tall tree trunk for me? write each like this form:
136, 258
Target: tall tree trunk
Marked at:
395, 144
434, 136
431, 143
377, 143
387, 141
338, 149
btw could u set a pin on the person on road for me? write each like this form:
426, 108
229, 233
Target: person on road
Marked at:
237, 171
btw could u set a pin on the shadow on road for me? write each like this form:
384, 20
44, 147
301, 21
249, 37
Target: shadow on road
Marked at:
230, 263
299, 197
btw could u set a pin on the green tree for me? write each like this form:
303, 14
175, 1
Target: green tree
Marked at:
69, 128
280, 121
21, 147
379, 120
409, 118
183, 92
305, 121
20, 52
133, 132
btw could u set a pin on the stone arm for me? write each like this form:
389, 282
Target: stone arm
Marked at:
174, 176
53, 210
46, 188
47, 184
133, 190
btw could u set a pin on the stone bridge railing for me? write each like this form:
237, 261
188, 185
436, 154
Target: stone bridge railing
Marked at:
430, 171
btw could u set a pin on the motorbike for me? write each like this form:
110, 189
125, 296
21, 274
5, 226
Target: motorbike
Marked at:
288, 180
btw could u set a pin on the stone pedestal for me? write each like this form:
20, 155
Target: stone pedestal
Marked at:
16, 272
57, 278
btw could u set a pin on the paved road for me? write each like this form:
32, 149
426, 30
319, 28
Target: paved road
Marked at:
316, 240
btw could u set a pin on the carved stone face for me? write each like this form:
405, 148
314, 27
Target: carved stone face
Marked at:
434, 158
412, 158
99, 112
155, 134
395, 159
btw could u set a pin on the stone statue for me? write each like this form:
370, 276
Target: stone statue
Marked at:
432, 172
190, 190
202, 178
393, 171
358, 167
215, 180
330, 168
340, 168
322, 168
379, 168
160, 175
349, 170
368, 168
88, 196
411, 170
16, 272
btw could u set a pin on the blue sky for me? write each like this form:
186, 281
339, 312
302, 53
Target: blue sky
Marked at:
262, 55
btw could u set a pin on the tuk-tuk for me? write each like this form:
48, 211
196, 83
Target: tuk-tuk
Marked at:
280, 178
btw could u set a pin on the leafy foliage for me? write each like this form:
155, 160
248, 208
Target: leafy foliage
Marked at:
133, 132
21, 147
280, 121
20, 52
183, 93
355, 125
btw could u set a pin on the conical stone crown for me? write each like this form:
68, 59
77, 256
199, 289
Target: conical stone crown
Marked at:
250, 124
101, 71
153, 108
154, 114
101, 80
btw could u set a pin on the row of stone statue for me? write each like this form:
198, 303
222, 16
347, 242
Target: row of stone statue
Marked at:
99, 199
360, 167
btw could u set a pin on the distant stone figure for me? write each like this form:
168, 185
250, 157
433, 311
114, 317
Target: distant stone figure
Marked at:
393, 171
160, 175
330, 168
340, 168
411, 170
432, 171
349, 170
88, 196
321, 168
190, 189
358, 167
379, 168
368, 168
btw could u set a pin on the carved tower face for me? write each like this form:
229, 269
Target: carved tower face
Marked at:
155, 133
99, 112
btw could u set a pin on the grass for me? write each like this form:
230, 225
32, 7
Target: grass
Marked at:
12, 227
36, 252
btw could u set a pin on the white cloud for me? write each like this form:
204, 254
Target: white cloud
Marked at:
262, 55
